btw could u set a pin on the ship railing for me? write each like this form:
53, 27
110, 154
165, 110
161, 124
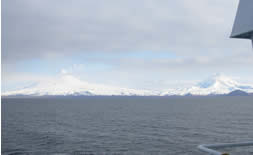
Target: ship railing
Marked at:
212, 148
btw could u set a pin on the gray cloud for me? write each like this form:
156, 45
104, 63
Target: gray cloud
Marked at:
43, 28
196, 32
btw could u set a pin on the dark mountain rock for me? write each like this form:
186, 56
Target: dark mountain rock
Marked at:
238, 93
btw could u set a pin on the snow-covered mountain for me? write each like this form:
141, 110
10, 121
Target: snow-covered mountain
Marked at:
69, 85
215, 85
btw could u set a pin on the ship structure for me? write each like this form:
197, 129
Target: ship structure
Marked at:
243, 25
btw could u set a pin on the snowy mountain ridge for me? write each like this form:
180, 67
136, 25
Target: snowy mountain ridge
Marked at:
215, 85
69, 85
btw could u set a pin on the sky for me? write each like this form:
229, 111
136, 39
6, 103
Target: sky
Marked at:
144, 44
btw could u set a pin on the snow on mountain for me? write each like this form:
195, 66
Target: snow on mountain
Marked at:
69, 85
214, 85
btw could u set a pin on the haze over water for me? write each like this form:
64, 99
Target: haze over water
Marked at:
123, 125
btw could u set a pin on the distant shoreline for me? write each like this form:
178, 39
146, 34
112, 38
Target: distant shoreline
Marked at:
121, 96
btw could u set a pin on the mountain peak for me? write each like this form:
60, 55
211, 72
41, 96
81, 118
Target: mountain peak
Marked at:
218, 84
217, 80
67, 84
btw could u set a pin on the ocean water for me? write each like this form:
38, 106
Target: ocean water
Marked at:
124, 125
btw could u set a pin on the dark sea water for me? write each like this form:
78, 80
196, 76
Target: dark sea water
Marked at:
124, 125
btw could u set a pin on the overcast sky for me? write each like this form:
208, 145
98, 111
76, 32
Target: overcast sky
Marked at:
148, 44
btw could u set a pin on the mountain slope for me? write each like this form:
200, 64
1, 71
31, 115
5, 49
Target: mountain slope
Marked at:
238, 93
214, 85
70, 85
66, 84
